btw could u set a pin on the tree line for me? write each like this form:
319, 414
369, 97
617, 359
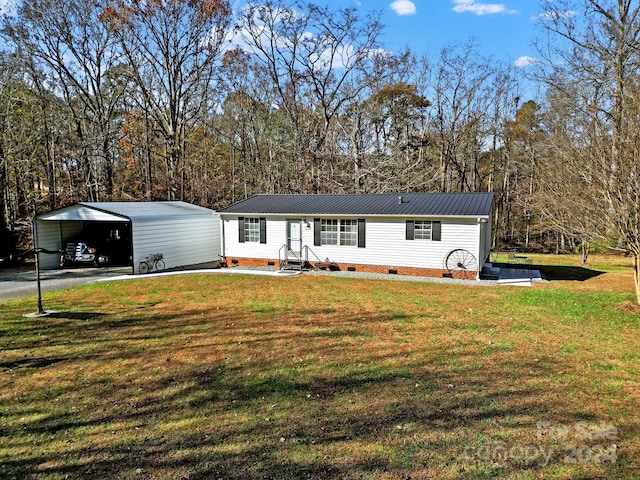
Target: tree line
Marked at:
189, 100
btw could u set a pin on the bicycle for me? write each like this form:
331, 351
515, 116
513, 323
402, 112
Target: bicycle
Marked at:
151, 262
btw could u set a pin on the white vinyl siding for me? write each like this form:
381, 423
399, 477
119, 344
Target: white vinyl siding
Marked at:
275, 233
386, 242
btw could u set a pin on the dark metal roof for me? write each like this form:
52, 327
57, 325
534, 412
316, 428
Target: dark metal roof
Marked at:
413, 204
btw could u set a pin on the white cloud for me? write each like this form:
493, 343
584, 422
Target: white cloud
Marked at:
479, 8
8, 7
403, 7
525, 61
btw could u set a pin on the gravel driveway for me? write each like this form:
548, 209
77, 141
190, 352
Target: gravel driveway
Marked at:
15, 285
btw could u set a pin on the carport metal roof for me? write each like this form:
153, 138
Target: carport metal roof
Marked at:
123, 211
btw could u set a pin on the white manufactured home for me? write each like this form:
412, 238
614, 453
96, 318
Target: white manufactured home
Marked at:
183, 233
435, 234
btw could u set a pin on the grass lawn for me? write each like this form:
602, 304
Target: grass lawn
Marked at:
244, 377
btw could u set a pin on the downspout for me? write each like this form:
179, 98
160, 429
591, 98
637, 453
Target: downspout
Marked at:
482, 245
222, 237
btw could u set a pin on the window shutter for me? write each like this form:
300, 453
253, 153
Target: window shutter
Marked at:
241, 229
317, 228
361, 233
436, 231
410, 225
263, 230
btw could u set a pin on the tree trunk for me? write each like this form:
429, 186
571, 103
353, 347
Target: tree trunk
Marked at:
3, 189
636, 274
108, 165
585, 252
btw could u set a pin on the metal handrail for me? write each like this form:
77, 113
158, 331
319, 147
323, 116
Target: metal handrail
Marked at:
307, 249
280, 259
284, 255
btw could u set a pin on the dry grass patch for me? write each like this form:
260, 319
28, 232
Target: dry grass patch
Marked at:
202, 376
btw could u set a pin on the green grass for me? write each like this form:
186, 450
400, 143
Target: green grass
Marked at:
205, 376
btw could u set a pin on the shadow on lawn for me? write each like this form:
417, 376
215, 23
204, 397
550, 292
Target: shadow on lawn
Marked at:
76, 315
241, 417
579, 274
559, 272
273, 441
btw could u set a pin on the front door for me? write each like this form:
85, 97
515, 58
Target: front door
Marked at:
294, 236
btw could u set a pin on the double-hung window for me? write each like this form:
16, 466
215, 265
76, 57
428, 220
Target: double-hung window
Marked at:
329, 231
422, 229
349, 232
334, 231
251, 229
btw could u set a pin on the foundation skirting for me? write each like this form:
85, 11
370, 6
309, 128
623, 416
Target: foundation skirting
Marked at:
356, 267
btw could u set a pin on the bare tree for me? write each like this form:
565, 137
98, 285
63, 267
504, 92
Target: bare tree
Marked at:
69, 45
462, 99
310, 53
383, 128
171, 48
593, 58
251, 126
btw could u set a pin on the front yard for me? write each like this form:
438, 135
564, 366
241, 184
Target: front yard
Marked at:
244, 377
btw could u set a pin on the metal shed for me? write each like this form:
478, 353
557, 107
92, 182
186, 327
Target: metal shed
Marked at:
185, 234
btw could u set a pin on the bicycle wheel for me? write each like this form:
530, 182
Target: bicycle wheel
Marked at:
159, 265
143, 267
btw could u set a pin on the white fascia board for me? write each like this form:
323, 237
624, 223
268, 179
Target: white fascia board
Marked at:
80, 213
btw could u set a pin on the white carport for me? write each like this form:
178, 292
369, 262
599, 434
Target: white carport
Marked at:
184, 233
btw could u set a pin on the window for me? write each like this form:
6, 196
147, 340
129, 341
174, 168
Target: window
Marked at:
251, 229
331, 231
422, 230
349, 232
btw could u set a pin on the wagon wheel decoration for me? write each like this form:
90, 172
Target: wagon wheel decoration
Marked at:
461, 263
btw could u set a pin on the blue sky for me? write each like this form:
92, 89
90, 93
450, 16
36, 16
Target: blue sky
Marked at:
503, 30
